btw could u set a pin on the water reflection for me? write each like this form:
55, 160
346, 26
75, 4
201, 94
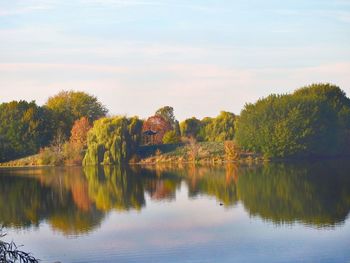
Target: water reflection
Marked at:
111, 187
75, 201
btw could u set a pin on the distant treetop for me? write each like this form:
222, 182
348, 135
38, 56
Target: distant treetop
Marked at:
70, 106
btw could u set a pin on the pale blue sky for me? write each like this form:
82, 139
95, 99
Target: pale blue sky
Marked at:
198, 56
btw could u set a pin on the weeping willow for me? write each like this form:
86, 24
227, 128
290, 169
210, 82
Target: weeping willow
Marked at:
113, 140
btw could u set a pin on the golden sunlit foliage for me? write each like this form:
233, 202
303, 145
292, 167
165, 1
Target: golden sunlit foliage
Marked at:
113, 140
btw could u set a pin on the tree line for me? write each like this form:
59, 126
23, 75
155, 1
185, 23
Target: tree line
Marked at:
73, 127
26, 127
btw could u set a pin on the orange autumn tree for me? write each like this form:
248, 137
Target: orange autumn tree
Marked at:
157, 124
79, 131
75, 148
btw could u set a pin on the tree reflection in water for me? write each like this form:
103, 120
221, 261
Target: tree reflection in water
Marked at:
75, 201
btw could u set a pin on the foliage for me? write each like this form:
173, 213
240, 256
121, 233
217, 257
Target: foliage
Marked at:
113, 140
9, 253
217, 129
190, 127
171, 137
182, 152
177, 129
313, 121
69, 106
167, 113
73, 153
49, 156
25, 127
221, 128
231, 151
74, 150
193, 149
79, 131
67, 152
158, 125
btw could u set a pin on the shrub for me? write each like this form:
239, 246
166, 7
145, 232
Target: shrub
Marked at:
171, 137
49, 156
231, 151
193, 149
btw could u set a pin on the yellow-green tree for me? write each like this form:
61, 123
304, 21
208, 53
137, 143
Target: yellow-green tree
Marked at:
69, 106
190, 127
113, 140
219, 129
171, 137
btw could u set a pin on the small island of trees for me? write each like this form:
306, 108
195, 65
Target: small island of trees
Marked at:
74, 128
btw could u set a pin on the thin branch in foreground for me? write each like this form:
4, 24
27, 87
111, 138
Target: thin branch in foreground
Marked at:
9, 253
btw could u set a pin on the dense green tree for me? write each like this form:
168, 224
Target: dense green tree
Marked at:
167, 113
177, 129
113, 140
313, 121
171, 137
202, 133
69, 106
24, 128
219, 129
190, 127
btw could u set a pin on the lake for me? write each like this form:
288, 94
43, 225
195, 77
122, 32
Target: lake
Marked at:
277, 212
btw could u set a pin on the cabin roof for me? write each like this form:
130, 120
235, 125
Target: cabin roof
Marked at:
150, 132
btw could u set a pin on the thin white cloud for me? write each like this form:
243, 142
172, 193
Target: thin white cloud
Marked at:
20, 7
193, 89
20, 67
336, 14
119, 3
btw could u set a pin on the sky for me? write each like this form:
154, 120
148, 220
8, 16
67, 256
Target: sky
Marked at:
200, 57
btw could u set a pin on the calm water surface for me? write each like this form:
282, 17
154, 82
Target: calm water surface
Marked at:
270, 213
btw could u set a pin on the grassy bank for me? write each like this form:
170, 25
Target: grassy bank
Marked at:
198, 152
32, 160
